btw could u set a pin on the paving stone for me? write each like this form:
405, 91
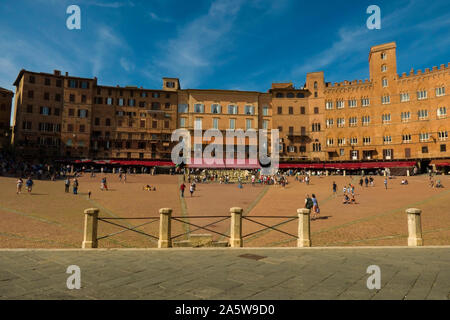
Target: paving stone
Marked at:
222, 274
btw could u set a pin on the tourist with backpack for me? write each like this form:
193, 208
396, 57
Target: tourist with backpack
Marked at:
309, 204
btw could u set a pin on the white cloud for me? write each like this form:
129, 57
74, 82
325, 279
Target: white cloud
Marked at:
157, 18
105, 43
194, 51
354, 41
126, 64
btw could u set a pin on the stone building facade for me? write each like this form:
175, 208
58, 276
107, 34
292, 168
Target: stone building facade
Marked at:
386, 117
6, 97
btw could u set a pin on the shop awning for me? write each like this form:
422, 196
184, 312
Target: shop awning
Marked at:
441, 163
370, 165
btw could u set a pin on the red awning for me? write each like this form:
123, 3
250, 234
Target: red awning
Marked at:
441, 163
301, 165
370, 165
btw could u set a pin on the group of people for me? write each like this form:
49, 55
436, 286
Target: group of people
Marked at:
192, 187
149, 188
29, 183
312, 204
75, 185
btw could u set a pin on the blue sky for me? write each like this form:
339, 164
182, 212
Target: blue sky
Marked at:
223, 44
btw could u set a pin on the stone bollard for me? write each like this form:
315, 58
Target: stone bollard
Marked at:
344, 173
90, 228
114, 170
165, 234
304, 231
414, 227
407, 173
327, 173
236, 228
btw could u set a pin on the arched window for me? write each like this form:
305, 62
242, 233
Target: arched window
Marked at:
315, 84
300, 95
279, 95
290, 95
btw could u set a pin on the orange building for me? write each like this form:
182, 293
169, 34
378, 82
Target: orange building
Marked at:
386, 117
389, 116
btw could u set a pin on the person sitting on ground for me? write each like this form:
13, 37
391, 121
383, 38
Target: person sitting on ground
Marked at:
438, 184
147, 188
346, 199
353, 199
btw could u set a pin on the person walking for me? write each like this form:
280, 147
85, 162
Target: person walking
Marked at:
316, 209
361, 182
19, 185
309, 204
29, 184
182, 187
385, 183
66, 185
334, 188
191, 189
75, 186
366, 181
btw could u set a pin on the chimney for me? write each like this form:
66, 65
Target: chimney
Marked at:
56, 72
